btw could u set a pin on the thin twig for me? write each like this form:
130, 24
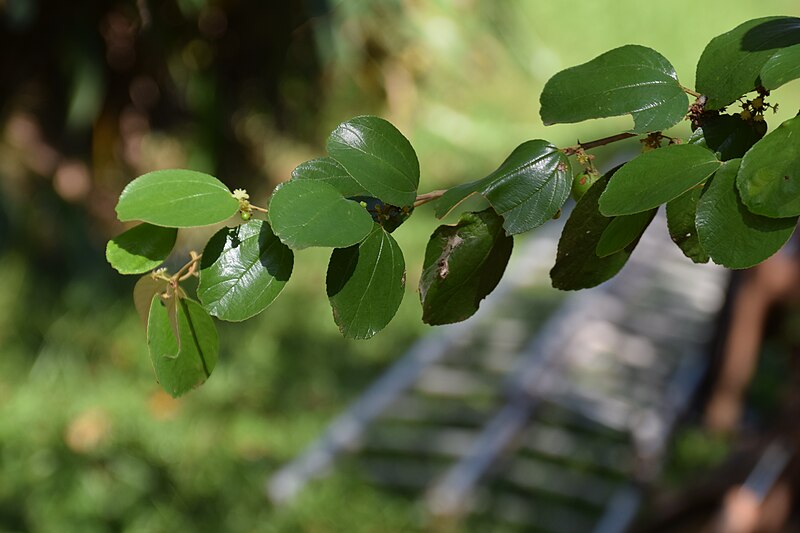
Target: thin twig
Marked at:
691, 92
187, 270
570, 150
428, 197
259, 209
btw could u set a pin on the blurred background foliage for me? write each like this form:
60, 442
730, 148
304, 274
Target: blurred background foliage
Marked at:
93, 93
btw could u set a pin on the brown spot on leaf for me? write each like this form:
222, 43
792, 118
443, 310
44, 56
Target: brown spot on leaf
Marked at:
443, 263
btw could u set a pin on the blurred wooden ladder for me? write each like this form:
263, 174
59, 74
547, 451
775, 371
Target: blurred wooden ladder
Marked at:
498, 421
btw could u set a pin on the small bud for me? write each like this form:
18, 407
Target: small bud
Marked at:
246, 216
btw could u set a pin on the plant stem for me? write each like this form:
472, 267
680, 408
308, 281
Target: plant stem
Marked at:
428, 197
259, 209
570, 150
691, 92
187, 270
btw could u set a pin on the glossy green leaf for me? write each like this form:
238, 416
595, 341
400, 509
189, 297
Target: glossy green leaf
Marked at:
732, 235
731, 63
141, 248
307, 213
769, 180
622, 231
681, 223
365, 284
463, 264
176, 198
331, 172
657, 177
728, 135
243, 270
527, 190
182, 363
577, 265
781, 68
631, 80
378, 158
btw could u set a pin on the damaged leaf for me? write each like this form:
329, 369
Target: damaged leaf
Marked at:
463, 264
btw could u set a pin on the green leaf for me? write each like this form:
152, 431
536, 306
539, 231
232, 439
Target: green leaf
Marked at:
731, 63
141, 248
527, 190
365, 284
378, 158
680, 220
463, 264
577, 265
781, 68
622, 231
728, 135
733, 236
331, 172
243, 270
143, 293
631, 79
176, 198
182, 363
312, 213
769, 180
657, 177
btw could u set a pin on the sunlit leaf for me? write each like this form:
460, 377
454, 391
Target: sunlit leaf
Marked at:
657, 177
141, 248
526, 190
185, 362
631, 80
681, 223
769, 179
732, 235
331, 172
365, 284
463, 264
243, 270
731, 63
378, 158
307, 213
176, 198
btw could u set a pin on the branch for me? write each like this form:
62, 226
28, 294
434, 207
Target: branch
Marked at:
187, 270
691, 92
428, 197
570, 150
